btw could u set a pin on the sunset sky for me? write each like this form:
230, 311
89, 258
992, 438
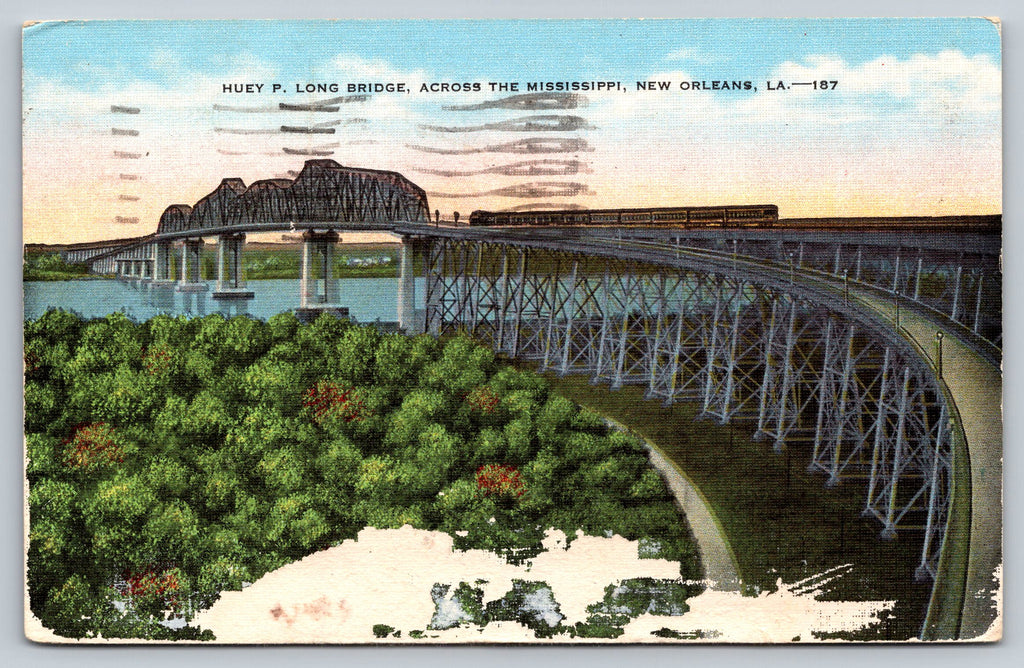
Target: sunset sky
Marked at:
912, 127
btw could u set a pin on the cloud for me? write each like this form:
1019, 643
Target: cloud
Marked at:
944, 85
691, 54
372, 70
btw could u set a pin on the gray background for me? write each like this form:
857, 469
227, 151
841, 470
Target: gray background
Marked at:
18, 651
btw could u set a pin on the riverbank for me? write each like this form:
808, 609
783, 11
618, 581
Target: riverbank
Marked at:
260, 261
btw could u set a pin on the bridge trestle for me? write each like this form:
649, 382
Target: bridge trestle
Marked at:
807, 378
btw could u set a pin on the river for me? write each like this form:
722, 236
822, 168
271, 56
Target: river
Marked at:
368, 299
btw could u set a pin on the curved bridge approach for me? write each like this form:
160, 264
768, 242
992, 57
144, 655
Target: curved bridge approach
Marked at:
877, 355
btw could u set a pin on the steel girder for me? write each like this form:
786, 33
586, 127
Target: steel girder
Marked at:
324, 191
803, 376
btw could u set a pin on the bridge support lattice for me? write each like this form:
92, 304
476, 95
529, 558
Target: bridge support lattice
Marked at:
807, 378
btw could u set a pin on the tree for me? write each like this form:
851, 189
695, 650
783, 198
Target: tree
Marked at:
171, 460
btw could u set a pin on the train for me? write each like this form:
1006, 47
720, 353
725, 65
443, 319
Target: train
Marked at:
753, 216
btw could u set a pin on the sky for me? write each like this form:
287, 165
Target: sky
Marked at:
122, 119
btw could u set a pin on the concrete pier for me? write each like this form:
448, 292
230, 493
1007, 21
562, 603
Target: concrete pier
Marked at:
407, 316
190, 279
162, 262
318, 288
230, 278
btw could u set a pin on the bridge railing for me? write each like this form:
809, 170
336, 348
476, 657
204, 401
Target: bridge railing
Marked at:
962, 285
946, 605
948, 312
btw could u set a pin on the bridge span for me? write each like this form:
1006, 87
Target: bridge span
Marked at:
817, 362
876, 355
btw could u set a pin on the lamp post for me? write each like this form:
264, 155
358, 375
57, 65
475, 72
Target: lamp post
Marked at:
896, 296
938, 353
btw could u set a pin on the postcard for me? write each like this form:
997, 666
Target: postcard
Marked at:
495, 331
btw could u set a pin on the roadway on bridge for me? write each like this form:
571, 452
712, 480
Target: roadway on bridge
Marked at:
976, 387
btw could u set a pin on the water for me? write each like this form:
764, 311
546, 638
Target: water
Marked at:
368, 299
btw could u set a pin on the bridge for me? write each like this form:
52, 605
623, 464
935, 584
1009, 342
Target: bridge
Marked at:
875, 353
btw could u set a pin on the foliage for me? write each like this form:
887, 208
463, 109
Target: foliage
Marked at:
371, 261
93, 445
460, 607
483, 399
499, 480
383, 631
327, 401
157, 592
532, 604
48, 266
175, 459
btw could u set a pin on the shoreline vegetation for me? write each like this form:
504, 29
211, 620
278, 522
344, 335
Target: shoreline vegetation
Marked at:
174, 459
261, 261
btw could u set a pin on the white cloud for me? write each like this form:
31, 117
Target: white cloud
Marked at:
691, 54
946, 85
372, 70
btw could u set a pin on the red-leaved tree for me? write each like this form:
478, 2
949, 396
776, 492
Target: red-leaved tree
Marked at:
156, 360
500, 480
483, 399
152, 590
329, 401
92, 445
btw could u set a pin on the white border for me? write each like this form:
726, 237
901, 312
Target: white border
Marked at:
18, 651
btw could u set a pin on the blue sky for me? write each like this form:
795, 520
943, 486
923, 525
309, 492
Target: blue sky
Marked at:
914, 126
84, 54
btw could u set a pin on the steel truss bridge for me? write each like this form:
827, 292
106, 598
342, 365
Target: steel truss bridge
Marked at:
827, 342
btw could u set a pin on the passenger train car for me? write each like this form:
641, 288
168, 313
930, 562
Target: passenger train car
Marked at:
762, 215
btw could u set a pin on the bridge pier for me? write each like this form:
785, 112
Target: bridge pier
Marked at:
230, 279
408, 319
317, 286
190, 279
162, 262
136, 272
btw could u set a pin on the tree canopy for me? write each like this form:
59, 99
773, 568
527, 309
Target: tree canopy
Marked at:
177, 458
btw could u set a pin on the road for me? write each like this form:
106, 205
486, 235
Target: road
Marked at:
976, 387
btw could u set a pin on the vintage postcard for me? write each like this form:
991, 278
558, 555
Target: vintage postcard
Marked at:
419, 332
